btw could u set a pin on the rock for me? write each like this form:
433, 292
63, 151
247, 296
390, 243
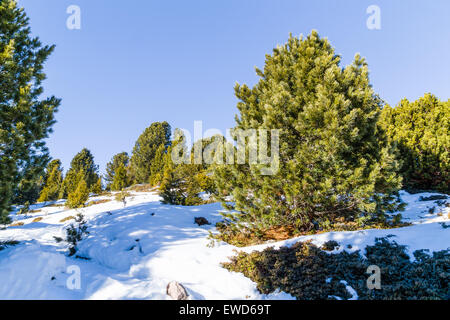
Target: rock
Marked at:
176, 291
201, 221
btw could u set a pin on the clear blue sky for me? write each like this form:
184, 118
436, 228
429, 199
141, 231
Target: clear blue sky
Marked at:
139, 61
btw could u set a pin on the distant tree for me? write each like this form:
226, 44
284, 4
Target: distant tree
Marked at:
334, 162
97, 188
183, 182
157, 166
52, 182
120, 181
146, 148
421, 130
82, 167
78, 197
25, 121
111, 167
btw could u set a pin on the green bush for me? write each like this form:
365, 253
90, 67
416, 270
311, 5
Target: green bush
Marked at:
422, 131
309, 273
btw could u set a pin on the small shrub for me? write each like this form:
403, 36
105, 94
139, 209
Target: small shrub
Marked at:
122, 197
37, 219
6, 244
75, 233
308, 273
25, 208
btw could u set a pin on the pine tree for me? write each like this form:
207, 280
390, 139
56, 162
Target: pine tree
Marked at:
78, 197
25, 121
120, 181
83, 162
183, 182
97, 188
146, 147
333, 159
157, 166
421, 130
172, 188
111, 167
53, 182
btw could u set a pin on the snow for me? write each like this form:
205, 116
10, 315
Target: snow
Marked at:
134, 251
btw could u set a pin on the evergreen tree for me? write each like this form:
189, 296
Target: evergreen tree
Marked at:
78, 197
422, 131
157, 166
83, 162
172, 188
53, 182
146, 148
333, 159
120, 181
25, 120
97, 188
111, 167
183, 182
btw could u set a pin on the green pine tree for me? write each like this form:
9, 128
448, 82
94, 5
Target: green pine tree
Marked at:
97, 188
333, 159
120, 181
157, 166
83, 162
421, 130
78, 197
25, 120
146, 148
111, 167
53, 182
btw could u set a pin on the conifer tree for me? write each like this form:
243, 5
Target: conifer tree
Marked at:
83, 163
111, 167
25, 120
171, 189
53, 182
120, 181
97, 188
421, 130
333, 159
157, 166
78, 197
146, 148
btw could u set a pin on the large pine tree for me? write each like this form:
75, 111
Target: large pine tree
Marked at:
25, 119
146, 148
334, 161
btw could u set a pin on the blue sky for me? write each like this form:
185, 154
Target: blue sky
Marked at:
139, 61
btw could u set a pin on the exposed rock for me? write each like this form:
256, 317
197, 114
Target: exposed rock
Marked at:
201, 221
176, 291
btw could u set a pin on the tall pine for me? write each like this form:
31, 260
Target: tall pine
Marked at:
146, 148
334, 161
53, 182
25, 119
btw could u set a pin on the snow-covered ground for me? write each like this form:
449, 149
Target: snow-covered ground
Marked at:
136, 250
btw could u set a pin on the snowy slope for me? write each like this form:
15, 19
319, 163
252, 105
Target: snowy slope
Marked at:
135, 251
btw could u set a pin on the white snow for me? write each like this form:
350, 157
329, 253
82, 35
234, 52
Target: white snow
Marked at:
136, 250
